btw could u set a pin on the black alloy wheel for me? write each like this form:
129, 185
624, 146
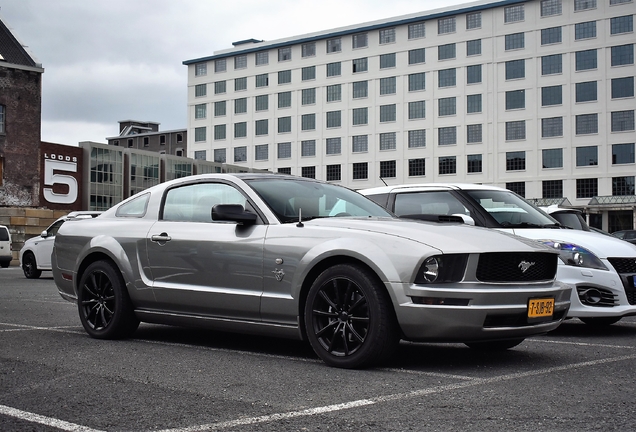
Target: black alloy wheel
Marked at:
29, 266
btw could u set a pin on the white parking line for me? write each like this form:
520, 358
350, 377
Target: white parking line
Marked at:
48, 421
585, 344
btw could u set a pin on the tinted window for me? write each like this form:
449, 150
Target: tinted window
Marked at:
435, 203
135, 207
4, 234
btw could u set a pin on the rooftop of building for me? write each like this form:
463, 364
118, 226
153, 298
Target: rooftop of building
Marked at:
13, 51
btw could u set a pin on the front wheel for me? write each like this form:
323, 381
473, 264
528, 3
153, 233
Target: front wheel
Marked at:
29, 266
349, 318
601, 321
501, 345
104, 306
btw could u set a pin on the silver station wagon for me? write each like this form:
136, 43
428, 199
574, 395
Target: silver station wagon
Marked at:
293, 257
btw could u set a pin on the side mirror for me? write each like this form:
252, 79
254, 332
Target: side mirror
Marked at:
467, 219
233, 213
44, 234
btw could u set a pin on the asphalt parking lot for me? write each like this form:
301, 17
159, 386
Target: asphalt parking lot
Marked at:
54, 377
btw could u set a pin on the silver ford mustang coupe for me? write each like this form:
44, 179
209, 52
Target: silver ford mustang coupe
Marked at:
293, 257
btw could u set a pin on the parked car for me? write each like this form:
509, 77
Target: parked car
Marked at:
35, 255
568, 217
602, 269
6, 252
627, 235
293, 257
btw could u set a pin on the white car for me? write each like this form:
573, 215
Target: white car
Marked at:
35, 255
6, 255
601, 268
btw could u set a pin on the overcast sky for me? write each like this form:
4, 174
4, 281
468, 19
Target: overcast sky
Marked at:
111, 60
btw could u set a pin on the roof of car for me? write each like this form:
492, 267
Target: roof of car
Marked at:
428, 186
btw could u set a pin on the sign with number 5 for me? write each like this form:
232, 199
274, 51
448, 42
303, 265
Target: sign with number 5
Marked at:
53, 177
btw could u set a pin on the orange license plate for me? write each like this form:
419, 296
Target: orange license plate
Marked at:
540, 307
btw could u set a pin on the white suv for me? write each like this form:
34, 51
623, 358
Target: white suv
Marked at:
6, 255
602, 269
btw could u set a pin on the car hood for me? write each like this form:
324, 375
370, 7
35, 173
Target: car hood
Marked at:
602, 246
448, 238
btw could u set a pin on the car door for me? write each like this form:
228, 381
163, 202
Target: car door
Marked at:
202, 267
43, 247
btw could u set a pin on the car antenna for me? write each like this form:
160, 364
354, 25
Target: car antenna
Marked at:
383, 181
300, 218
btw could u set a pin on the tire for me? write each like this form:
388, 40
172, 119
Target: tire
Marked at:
29, 266
5, 264
501, 345
349, 318
104, 306
601, 321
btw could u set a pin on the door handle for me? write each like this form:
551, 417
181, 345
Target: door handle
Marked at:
161, 238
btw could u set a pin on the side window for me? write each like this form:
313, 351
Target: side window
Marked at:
433, 203
193, 203
52, 230
381, 199
135, 207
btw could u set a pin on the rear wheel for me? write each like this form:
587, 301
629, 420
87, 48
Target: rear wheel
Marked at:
29, 266
349, 318
104, 306
600, 321
501, 345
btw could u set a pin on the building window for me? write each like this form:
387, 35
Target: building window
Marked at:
622, 154
308, 96
473, 20
473, 103
417, 167
308, 73
334, 93
515, 69
261, 152
333, 172
284, 77
360, 116
586, 124
200, 134
387, 85
146, 142
417, 81
586, 188
552, 64
240, 130
417, 30
179, 137
286, 170
387, 36
446, 106
552, 95
387, 141
447, 135
284, 124
219, 108
262, 58
284, 150
417, 56
474, 133
334, 119
515, 99
199, 155
262, 80
308, 122
417, 138
200, 111
514, 41
240, 84
447, 77
585, 30
580, 5
334, 45
261, 127
587, 156
284, 54
623, 24
387, 169
387, 61
360, 89
359, 144
240, 154
514, 14
240, 61
586, 60
615, 2
551, 35
622, 87
550, 7
622, 121
515, 161
219, 87
360, 171
219, 132
308, 172
387, 113
473, 163
517, 187
552, 188
446, 25
359, 40
200, 90
447, 165
586, 91
473, 47
220, 155
623, 186
552, 158
220, 65
308, 49
623, 55
240, 106
262, 103
285, 99
308, 148
445, 52
515, 130
360, 65
333, 69
473, 74
417, 110
552, 127
200, 69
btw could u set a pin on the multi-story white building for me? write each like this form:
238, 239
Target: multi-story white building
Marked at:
536, 96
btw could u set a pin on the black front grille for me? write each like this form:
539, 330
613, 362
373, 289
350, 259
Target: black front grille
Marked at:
626, 268
623, 265
509, 267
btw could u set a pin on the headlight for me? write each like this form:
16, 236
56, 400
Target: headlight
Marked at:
575, 255
430, 269
442, 269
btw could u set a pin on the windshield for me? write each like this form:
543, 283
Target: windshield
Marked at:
291, 198
431, 202
510, 210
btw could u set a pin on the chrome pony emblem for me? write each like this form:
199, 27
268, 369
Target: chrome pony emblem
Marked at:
525, 265
278, 274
